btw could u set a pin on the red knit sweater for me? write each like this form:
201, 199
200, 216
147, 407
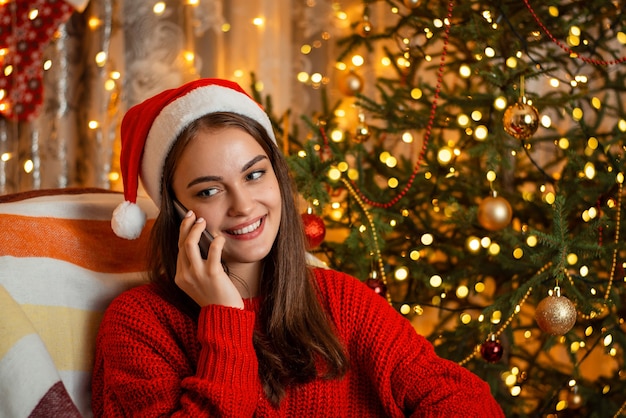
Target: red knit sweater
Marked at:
153, 360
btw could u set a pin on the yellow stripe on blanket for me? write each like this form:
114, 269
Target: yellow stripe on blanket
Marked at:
14, 325
68, 333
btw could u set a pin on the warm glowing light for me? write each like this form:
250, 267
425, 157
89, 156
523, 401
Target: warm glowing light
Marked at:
101, 58
427, 239
401, 273
590, 170
436, 281
336, 135
258, 21
511, 62
29, 166
462, 291
465, 71
444, 156
463, 120
357, 60
481, 132
500, 103
391, 161
334, 173
416, 93
158, 8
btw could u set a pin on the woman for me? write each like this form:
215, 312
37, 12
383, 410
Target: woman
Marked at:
251, 330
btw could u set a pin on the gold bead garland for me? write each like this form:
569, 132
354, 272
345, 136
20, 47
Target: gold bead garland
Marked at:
508, 321
609, 286
377, 255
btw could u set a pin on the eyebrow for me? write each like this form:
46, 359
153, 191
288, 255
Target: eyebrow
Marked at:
245, 167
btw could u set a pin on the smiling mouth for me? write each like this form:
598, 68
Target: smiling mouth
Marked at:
247, 229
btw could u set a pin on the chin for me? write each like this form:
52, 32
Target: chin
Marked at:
251, 255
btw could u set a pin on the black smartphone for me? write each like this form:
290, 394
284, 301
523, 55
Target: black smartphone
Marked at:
205, 239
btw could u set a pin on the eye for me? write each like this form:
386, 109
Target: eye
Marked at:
208, 192
255, 175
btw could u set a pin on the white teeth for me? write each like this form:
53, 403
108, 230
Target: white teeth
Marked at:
247, 229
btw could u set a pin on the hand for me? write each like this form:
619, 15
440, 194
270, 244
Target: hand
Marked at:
205, 281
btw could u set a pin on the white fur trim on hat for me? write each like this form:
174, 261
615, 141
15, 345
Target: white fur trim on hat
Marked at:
177, 115
128, 220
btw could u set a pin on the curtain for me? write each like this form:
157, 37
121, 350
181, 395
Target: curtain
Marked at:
107, 55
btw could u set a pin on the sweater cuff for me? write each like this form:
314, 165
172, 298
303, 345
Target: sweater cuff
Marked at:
227, 353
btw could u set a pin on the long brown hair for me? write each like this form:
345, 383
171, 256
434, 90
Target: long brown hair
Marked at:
295, 330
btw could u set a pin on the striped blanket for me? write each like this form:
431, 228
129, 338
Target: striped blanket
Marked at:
60, 266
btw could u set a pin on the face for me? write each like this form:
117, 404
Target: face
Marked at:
226, 177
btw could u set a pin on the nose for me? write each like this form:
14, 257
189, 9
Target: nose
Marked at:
241, 201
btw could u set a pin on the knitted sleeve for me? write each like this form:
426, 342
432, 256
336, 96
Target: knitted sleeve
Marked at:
146, 361
410, 378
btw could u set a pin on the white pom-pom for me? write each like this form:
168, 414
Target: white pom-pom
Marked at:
128, 220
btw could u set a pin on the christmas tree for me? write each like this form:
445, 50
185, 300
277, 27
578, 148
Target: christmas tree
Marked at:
467, 162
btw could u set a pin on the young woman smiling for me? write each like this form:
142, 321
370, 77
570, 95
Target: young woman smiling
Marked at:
252, 330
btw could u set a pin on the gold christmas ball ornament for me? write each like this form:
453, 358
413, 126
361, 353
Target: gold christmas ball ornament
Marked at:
351, 83
555, 314
521, 120
494, 213
412, 4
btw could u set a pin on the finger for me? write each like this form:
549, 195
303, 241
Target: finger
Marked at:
193, 238
185, 227
214, 258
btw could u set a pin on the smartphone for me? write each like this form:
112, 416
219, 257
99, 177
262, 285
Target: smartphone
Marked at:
205, 239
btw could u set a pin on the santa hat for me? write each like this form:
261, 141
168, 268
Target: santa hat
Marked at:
150, 129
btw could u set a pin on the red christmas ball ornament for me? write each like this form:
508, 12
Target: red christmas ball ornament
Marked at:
314, 229
491, 350
376, 284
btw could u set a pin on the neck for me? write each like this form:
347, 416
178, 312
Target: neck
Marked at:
246, 278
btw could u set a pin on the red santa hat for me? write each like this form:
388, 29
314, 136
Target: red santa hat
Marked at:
150, 129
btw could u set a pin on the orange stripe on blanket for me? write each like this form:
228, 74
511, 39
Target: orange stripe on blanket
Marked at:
88, 243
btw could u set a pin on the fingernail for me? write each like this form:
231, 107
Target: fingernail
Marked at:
188, 214
199, 220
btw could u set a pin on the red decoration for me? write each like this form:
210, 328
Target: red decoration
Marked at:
25, 39
491, 350
377, 285
314, 229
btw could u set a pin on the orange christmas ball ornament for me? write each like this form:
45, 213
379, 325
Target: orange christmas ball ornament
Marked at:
351, 83
521, 120
494, 213
412, 4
